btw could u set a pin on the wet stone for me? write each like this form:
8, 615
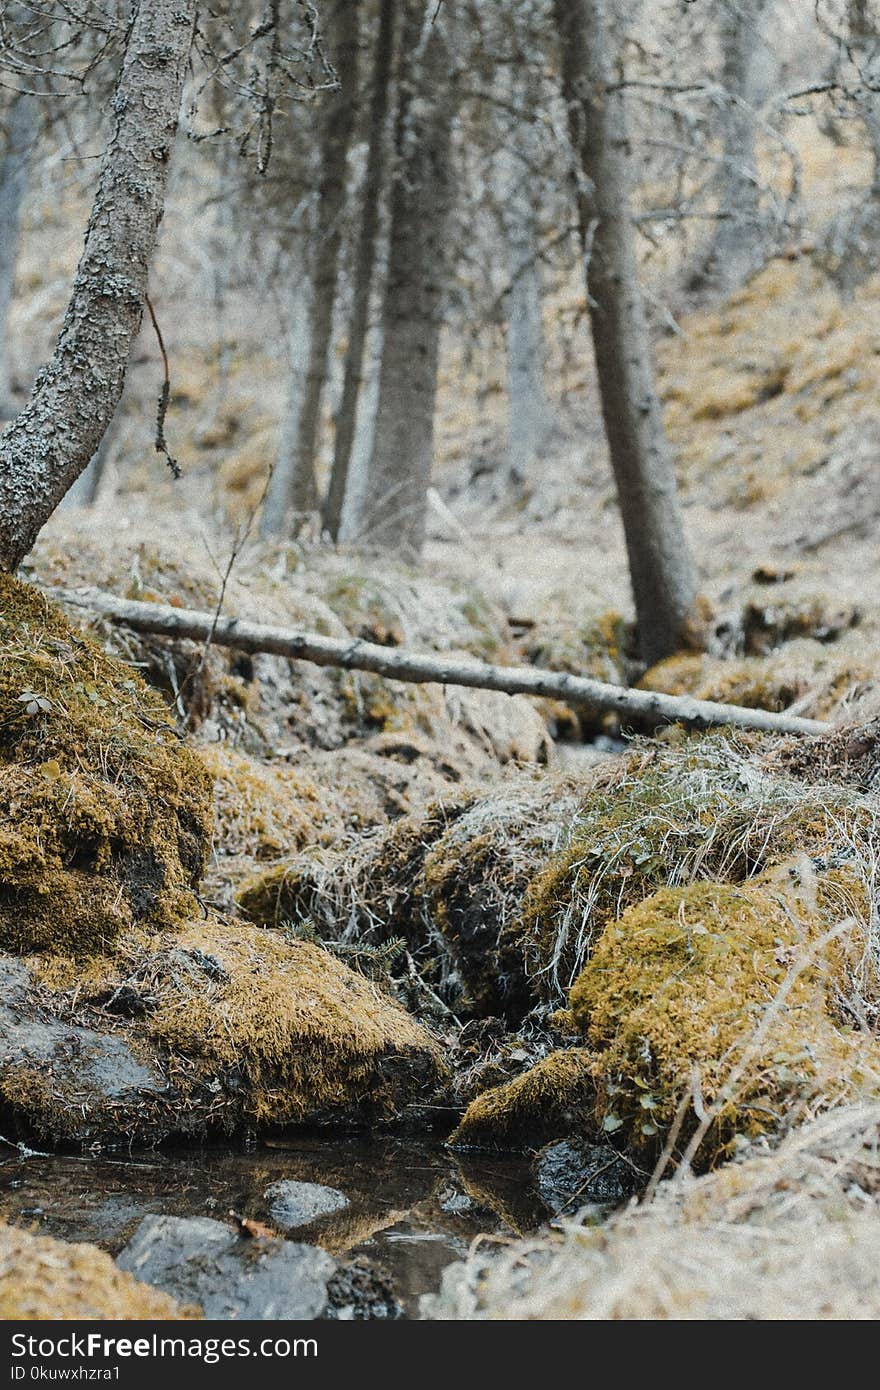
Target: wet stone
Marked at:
570, 1174
361, 1290
93, 1068
229, 1275
293, 1204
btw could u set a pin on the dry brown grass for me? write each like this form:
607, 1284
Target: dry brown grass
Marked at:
792, 1234
42, 1279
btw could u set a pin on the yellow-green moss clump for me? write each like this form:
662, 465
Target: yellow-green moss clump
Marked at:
671, 815
42, 1279
310, 1036
714, 1000
239, 1026
266, 810
731, 993
806, 670
105, 817
554, 1097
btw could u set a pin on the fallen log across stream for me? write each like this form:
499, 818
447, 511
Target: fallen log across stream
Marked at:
643, 706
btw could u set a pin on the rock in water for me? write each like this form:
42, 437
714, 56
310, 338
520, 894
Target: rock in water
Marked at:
361, 1291
293, 1204
570, 1174
229, 1275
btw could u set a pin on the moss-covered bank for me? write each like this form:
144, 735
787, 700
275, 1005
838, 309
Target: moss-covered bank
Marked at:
105, 816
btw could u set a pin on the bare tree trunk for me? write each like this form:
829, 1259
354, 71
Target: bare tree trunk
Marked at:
364, 266
296, 462
849, 249
528, 408
21, 132
73, 399
421, 197
661, 570
735, 251
864, 30
277, 506
354, 505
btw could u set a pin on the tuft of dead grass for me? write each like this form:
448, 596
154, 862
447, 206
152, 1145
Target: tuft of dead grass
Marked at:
42, 1279
782, 1235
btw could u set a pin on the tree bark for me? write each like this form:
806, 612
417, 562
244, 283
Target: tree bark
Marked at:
354, 505
660, 566
528, 409
21, 132
296, 463
73, 399
863, 22
276, 508
423, 668
735, 250
364, 267
421, 198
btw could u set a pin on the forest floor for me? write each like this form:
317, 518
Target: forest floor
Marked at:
483, 865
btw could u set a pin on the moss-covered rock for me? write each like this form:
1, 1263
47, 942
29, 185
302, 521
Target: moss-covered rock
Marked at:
266, 810
311, 1039
714, 1000
729, 995
223, 1026
699, 810
42, 1279
105, 817
555, 1097
446, 880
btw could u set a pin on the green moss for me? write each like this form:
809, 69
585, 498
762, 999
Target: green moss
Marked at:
372, 703
726, 993
105, 816
772, 681
266, 810
555, 1097
310, 1037
278, 894
703, 810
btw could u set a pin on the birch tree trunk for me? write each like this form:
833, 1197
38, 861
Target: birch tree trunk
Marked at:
735, 251
21, 132
73, 399
364, 268
296, 463
354, 505
660, 566
421, 197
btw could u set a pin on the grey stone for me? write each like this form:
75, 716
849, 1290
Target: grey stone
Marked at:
570, 1174
80, 1065
293, 1204
205, 1262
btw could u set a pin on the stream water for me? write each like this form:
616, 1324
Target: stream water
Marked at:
413, 1207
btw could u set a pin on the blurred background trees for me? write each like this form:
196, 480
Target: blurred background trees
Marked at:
406, 233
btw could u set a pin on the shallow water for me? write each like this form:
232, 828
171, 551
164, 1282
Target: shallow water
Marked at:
413, 1207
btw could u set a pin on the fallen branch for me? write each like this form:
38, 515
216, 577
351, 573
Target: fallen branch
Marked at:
418, 667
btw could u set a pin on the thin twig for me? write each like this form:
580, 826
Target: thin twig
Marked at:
164, 397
